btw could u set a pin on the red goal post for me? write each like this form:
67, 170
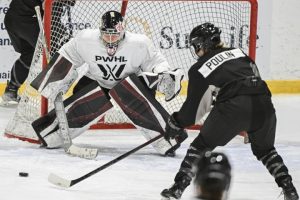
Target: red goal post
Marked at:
167, 23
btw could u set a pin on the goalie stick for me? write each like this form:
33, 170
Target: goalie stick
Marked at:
68, 10
59, 181
88, 153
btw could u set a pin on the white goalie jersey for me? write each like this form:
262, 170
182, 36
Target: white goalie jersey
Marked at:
135, 54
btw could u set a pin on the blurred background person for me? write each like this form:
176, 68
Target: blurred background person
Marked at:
213, 177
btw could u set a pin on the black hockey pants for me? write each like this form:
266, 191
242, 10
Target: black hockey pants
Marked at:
23, 33
252, 113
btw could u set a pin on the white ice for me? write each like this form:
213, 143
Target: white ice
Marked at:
144, 174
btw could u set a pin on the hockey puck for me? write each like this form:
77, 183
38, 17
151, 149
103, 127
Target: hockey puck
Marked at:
23, 174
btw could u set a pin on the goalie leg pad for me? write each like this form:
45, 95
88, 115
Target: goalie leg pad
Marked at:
143, 110
83, 109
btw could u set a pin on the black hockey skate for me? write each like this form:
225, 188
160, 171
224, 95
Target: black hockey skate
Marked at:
176, 190
289, 191
10, 95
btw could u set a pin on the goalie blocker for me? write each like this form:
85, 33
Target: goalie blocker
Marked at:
90, 104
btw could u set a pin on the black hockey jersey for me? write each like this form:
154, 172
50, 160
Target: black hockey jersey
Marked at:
222, 73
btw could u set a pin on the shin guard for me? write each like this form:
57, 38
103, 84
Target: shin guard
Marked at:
274, 163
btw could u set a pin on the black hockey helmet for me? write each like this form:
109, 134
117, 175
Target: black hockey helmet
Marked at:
112, 30
205, 36
213, 176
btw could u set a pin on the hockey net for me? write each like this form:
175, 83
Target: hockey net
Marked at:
167, 23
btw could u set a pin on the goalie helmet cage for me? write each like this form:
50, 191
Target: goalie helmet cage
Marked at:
166, 23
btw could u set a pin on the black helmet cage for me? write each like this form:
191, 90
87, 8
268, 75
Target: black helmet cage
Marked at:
112, 23
205, 36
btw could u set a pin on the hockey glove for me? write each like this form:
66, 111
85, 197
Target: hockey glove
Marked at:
174, 131
170, 83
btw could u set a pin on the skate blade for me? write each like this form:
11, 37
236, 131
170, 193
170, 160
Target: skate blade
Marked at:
168, 198
8, 104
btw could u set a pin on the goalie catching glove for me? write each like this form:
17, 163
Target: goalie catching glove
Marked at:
169, 83
174, 131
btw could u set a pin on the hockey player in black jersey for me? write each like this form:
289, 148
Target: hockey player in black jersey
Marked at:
23, 30
243, 103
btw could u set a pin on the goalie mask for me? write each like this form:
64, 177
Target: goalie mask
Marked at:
112, 31
213, 176
206, 37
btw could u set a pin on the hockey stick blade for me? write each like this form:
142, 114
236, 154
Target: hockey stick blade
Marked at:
56, 180
82, 152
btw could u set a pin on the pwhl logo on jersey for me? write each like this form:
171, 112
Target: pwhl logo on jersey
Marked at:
113, 67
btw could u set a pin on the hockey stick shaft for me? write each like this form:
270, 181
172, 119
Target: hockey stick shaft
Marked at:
68, 8
68, 183
62, 121
40, 22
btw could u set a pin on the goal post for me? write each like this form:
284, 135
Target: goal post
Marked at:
167, 23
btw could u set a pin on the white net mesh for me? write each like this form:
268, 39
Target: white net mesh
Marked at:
167, 23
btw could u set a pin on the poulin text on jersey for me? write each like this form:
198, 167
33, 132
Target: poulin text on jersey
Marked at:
219, 58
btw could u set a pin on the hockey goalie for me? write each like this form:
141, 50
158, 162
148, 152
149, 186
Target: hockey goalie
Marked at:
125, 67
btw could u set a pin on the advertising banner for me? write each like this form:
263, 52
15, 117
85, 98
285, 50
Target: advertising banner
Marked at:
8, 55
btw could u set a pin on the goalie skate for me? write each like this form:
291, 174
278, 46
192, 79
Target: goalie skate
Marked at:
10, 98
